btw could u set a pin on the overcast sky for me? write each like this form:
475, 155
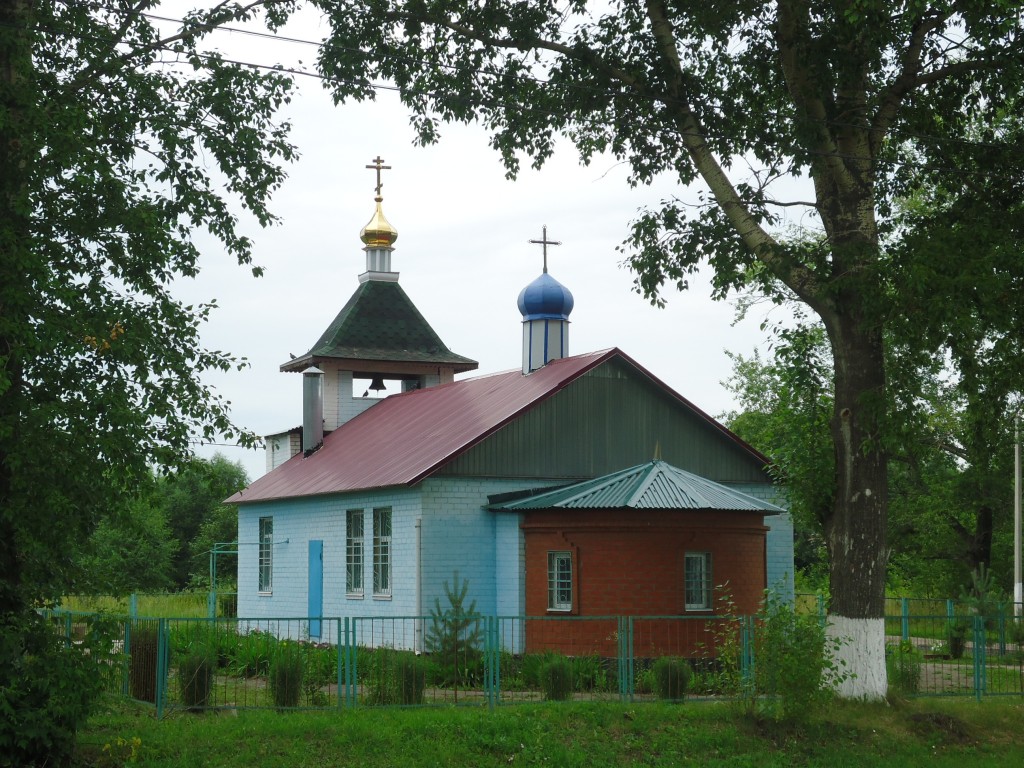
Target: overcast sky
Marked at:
462, 253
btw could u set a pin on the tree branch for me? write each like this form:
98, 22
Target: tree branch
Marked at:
906, 81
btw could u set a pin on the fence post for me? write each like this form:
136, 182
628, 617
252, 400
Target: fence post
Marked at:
904, 618
161, 666
352, 666
979, 657
821, 610
127, 651
627, 659
1002, 629
342, 642
133, 605
211, 604
746, 653
496, 645
490, 656
620, 636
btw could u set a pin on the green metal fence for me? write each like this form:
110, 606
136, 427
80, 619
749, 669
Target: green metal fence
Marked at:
337, 663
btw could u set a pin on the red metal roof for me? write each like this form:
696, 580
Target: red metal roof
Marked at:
406, 437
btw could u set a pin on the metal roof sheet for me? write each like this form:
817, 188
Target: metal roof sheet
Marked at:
406, 437
654, 485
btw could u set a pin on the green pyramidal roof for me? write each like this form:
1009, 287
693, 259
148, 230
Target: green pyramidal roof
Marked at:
655, 485
380, 322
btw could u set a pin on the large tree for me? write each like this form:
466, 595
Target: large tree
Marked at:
948, 446
853, 94
115, 145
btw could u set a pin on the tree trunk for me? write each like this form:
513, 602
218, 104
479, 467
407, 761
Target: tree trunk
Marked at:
856, 529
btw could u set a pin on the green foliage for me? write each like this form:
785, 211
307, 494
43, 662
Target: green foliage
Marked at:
195, 676
785, 405
252, 654
589, 674
397, 677
556, 679
454, 636
321, 670
191, 498
286, 675
671, 678
112, 158
794, 661
983, 598
903, 667
130, 550
54, 690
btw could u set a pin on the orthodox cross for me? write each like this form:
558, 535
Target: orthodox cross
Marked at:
378, 165
544, 242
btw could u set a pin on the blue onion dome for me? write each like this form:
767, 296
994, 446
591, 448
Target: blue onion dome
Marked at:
545, 298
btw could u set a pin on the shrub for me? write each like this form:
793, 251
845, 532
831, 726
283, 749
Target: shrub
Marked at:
589, 674
795, 668
903, 665
48, 688
321, 669
671, 678
532, 668
396, 677
195, 673
143, 642
251, 654
557, 678
410, 679
286, 672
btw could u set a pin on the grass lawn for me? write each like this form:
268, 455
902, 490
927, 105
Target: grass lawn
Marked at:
920, 733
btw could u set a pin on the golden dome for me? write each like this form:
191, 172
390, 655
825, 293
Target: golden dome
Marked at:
378, 232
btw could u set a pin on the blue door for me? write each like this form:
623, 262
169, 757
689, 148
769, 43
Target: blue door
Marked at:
316, 586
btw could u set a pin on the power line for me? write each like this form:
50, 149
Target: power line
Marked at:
497, 104
321, 45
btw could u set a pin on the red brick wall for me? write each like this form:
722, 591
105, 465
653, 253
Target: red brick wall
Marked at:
631, 564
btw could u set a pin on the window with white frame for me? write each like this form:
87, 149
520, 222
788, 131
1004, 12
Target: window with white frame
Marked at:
382, 552
354, 552
698, 581
559, 581
266, 559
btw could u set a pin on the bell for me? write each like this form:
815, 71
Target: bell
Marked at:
377, 384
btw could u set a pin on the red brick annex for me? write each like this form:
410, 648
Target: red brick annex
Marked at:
652, 541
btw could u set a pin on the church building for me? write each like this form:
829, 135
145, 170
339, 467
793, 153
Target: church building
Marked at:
568, 486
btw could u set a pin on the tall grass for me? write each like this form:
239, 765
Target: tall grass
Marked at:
178, 605
597, 735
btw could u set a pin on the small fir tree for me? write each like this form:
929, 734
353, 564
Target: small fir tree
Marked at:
455, 636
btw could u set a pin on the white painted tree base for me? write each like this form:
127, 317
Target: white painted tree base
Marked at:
860, 657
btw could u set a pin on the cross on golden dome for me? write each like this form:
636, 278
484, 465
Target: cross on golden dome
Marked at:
378, 165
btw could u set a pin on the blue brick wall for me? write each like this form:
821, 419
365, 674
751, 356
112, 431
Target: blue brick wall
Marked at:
456, 534
296, 522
